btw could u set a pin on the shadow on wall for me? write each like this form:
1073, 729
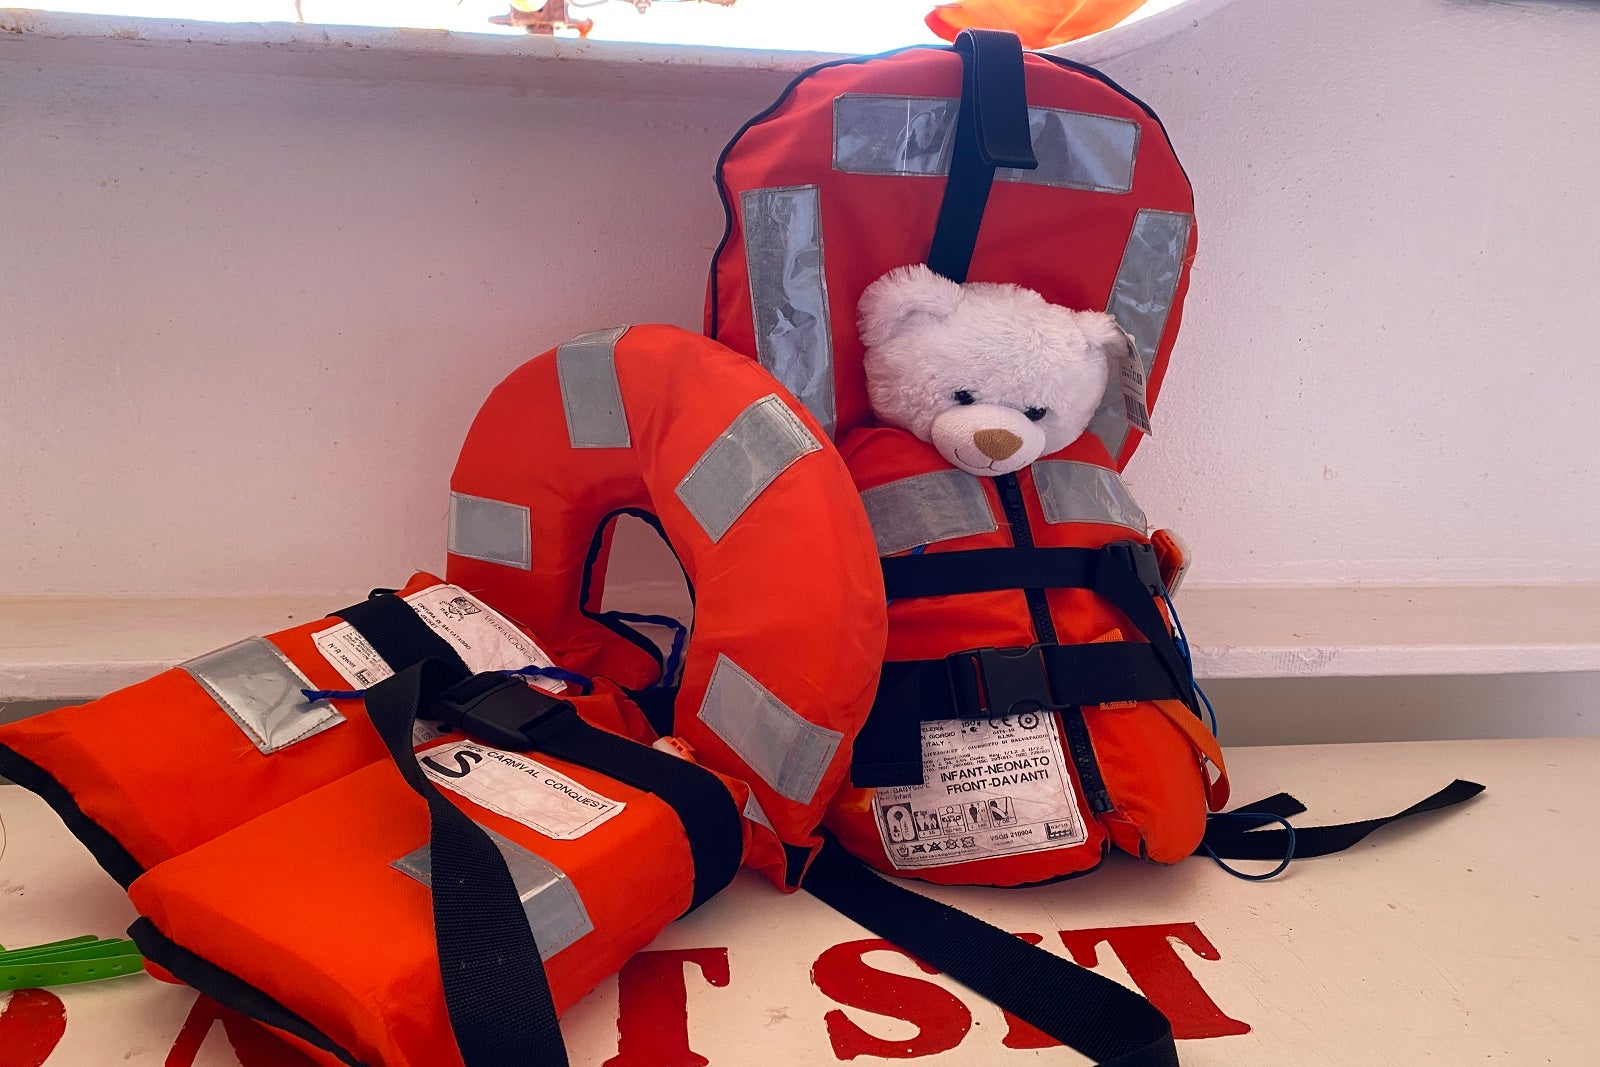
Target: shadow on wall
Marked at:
1296, 711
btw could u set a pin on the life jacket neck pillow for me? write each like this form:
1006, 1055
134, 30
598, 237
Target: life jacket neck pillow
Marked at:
655, 421
844, 177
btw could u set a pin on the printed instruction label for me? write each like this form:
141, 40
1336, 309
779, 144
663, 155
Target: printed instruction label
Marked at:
1131, 372
991, 787
511, 784
485, 639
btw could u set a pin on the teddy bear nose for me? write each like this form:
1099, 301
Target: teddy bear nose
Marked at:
997, 444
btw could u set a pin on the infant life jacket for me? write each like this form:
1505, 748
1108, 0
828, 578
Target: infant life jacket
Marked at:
1034, 709
1025, 610
291, 878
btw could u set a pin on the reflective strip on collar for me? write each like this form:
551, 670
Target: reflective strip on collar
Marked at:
927, 508
587, 369
912, 136
259, 688
555, 910
789, 753
789, 293
757, 446
1083, 492
490, 530
1141, 299
905, 135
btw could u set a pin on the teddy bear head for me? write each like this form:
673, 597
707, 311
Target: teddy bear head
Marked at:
992, 375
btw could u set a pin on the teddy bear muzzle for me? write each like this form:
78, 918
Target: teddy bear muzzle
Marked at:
987, 439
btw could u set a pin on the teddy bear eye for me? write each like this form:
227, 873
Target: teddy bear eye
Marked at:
962, 396
1035, 414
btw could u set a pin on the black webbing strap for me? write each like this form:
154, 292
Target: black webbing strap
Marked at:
1125, 573
1109, 1023
984, 570
991, 131
988, 683
506, 713
396, 633
495, 988
1118, 581
1235, 839
710, 818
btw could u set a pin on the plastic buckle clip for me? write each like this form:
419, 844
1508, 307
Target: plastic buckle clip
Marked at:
498, 710
1140, 558
1010, 680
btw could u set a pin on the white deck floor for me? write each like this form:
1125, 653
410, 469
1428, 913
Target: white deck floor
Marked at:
1466, 937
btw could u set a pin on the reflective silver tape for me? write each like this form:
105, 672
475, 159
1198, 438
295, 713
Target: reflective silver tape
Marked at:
1077, 150
490, 530
789, 293
587, 369
789, 753
913, 136
260, 689
1141, 300
927, 508
907, 135
1083, 492
551, 902
757, 446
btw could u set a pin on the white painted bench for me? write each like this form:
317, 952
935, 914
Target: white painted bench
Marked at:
1467, 936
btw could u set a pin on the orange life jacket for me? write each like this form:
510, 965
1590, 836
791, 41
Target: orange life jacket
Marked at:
266, 808
1034, 709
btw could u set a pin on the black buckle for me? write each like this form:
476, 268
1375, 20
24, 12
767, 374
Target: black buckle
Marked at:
497, 709
1008, 681
1140, 558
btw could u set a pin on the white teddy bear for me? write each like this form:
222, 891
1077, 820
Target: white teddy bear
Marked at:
992, 375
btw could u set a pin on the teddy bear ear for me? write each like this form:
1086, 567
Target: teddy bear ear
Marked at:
1105, 335
901, 297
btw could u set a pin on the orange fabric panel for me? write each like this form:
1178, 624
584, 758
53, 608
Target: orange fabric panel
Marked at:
303, 903
148, 763
1040, 23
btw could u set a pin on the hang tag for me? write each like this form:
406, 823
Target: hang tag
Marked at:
485, 639
1130, 372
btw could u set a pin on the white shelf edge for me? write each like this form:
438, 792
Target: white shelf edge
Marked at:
66, 648
393, 53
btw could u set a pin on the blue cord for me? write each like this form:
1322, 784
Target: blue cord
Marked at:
1181, 639
680, 635
585, 685
1259, 816
314, 695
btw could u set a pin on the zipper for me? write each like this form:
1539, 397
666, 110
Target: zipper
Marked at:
1022, 537
1079, 747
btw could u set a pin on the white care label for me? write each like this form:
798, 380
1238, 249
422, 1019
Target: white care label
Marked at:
511, 784
484, 639
1130, 370
991, 787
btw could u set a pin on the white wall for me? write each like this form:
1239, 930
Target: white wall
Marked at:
1388, 368
244, 319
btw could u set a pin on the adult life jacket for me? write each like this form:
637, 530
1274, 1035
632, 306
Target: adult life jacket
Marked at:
1028, 612
278, 815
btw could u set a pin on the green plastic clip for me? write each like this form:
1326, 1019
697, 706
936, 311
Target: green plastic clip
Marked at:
76, 959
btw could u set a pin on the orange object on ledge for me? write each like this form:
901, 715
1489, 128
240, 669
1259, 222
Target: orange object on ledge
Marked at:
1040, 23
